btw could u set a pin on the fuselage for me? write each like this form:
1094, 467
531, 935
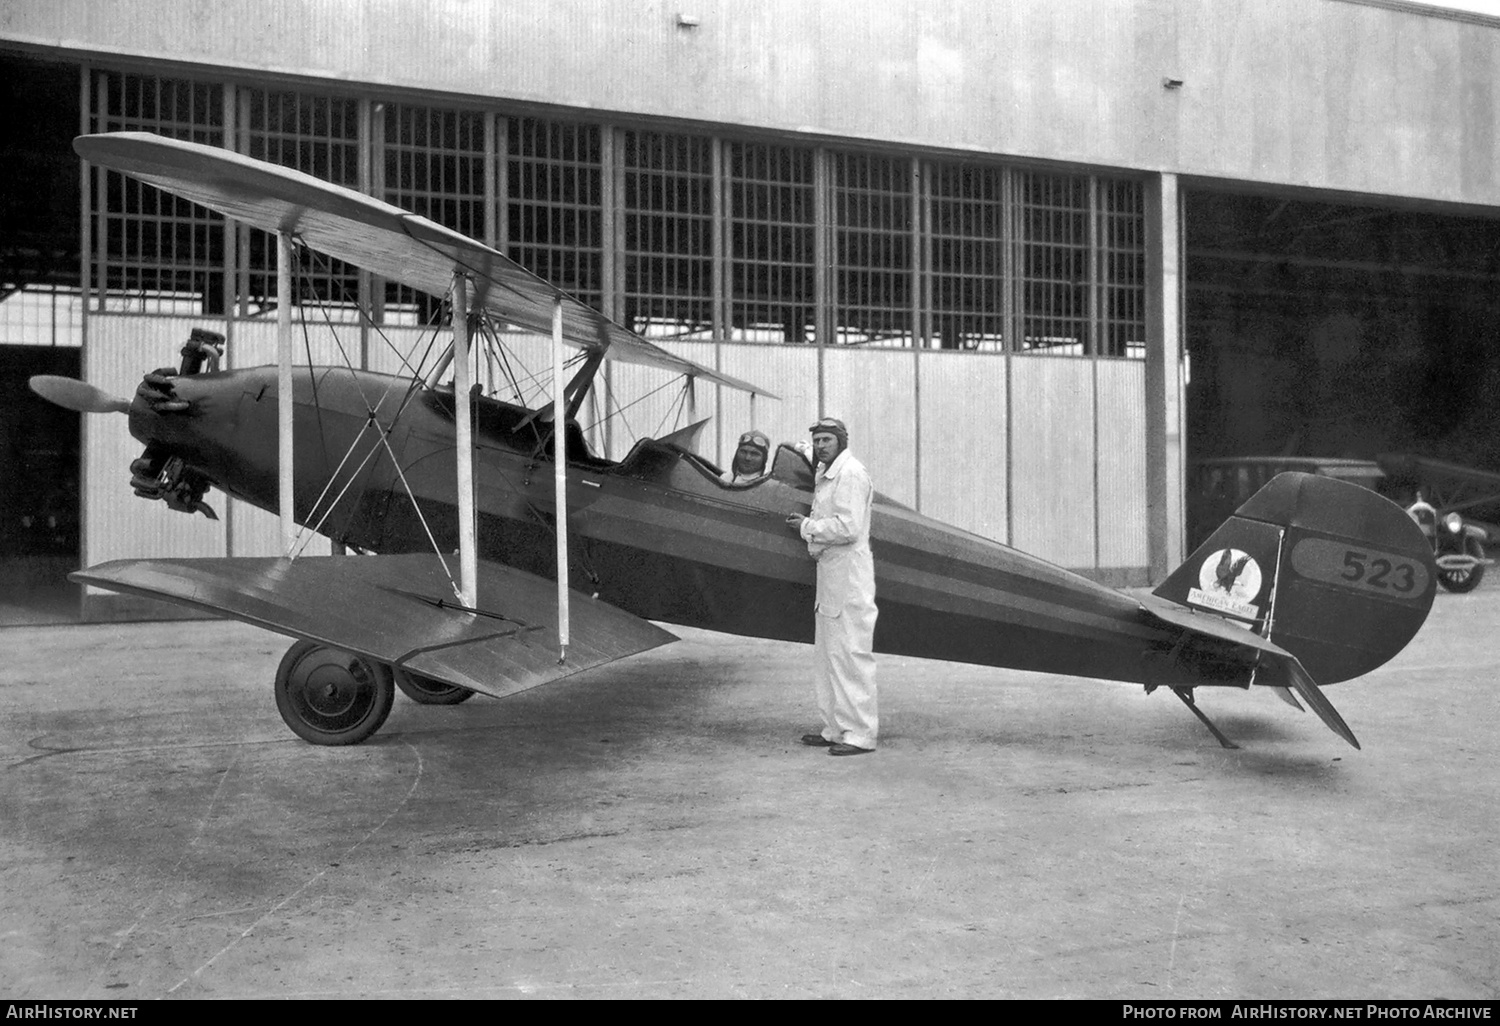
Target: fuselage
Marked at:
657, 533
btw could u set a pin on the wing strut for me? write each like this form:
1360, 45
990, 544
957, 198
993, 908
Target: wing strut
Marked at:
284, 406
560, 475
468, 556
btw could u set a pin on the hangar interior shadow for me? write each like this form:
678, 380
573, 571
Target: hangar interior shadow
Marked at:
1340, 330
40, 222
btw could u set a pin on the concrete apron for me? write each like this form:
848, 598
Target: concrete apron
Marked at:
653, 829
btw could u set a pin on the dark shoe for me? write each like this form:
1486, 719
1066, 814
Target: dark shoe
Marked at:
843, 749
816, 741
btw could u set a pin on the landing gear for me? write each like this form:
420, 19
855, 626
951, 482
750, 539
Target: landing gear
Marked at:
332, 697
426, 690
1186, 694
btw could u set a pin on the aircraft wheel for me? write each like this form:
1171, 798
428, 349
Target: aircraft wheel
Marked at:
332, 697
426, 690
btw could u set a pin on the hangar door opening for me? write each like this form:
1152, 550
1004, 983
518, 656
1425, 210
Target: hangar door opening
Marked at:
41, 316
1337, 331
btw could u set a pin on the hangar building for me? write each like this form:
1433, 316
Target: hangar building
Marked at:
1041, 256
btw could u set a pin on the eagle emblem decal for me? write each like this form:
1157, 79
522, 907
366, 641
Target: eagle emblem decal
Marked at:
1228, 582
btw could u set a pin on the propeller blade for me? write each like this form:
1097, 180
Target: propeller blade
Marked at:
75, 395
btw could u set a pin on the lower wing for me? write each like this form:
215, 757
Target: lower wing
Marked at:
399, 610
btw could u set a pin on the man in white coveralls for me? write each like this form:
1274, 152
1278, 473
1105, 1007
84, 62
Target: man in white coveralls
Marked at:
838, 537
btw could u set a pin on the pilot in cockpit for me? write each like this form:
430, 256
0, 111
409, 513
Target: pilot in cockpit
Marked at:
750, 459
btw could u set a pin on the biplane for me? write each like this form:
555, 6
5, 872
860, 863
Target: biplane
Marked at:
567, 560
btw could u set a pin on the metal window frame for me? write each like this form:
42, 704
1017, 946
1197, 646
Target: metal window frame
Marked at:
298, 129
1053, 263
652, 164
771, 200
788, 228
975, 263
551, 184
127, 217
1122, 276
449, 181
875, 250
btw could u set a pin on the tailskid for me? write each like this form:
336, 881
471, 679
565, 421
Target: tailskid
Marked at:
1186, 694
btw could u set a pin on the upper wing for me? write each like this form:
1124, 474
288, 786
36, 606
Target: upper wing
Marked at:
399, 610
377, 236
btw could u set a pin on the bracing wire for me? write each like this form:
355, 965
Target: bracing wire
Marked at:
309, 530
518, 383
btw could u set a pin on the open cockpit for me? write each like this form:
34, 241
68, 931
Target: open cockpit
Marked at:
518, 428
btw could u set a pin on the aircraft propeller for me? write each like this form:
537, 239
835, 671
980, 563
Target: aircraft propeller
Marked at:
75, 395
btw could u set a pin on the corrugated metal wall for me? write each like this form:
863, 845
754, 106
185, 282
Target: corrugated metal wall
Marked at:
1053, 455
875, 394
965, 451
1046, 453
1120, 503
1318, 93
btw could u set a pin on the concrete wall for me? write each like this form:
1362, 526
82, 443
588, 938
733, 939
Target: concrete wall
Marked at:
1372, 97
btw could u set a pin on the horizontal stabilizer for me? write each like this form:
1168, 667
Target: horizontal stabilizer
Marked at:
399, 610
1285, 694
1278, 668
1318, 702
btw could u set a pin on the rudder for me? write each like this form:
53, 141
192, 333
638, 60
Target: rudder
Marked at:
1333, 573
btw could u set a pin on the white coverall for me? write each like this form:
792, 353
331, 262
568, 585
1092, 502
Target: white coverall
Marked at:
837, 533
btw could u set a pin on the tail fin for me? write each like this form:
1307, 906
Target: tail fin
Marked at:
1331, 572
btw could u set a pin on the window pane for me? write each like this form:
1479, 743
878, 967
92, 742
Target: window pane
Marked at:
1122, 284
434, 166
968, 287
668, 244
318, 135
158, 253
770, 244
872, 273
1052, 222
555, 207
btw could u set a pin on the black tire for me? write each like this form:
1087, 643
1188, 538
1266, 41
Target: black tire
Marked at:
426, 690
1461, 581
332, 697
